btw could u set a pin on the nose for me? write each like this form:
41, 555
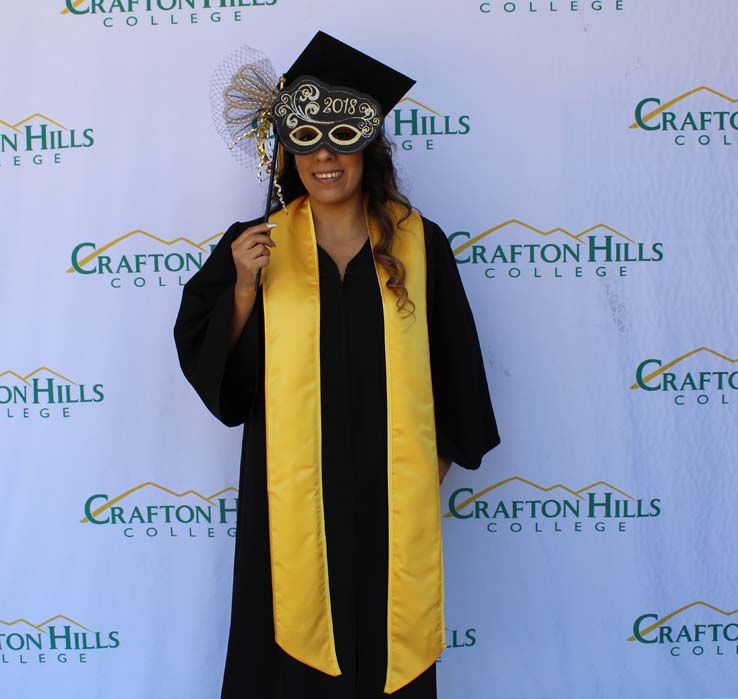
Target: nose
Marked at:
324, 154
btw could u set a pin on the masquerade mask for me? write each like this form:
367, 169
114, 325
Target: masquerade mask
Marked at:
310, 114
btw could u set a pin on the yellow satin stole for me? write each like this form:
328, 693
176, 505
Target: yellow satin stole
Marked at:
302, 607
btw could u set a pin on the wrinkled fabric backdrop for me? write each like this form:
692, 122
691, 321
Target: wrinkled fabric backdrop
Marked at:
580, 156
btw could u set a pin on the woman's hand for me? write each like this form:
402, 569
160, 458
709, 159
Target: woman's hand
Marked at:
250, 254
444, 465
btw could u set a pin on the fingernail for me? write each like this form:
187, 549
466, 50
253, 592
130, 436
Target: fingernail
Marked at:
271, 225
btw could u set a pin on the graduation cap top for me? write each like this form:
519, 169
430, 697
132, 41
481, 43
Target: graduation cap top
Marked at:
337, 63
335, 96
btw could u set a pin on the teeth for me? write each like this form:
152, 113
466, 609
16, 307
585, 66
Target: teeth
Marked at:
328, 175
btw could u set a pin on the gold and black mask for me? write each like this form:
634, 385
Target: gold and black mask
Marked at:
310, 114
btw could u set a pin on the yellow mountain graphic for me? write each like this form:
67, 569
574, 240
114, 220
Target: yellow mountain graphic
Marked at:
150, 484
672, 102
559, 486
40, 625
25, 379
514, 221
676, 612
676, 361
10, 126
75, 4
419, 104
99, 251
48, 120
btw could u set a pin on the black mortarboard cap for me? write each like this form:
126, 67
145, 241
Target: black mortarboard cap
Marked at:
336, 63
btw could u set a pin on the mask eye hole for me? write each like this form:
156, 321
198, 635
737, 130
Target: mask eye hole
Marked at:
344, 134
305, 135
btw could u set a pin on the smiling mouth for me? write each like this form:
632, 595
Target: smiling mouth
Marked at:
331, 176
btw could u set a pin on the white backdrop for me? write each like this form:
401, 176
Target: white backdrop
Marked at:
592, 554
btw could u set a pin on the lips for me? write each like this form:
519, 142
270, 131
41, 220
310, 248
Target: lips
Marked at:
328, 175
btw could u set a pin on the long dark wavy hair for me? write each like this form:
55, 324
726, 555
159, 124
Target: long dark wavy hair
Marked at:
379, 182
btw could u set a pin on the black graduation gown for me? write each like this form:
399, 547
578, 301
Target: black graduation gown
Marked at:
354, 438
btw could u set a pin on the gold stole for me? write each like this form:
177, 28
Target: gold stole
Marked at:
301, 595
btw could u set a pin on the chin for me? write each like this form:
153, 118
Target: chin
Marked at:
328, 199
333, 198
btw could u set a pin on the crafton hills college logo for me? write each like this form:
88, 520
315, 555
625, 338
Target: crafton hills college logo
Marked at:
521, 506
699, 377
150, 510
701, 117
44, 393
59, 640
696, 629
40, 140
515, 249
156, 13
139, 259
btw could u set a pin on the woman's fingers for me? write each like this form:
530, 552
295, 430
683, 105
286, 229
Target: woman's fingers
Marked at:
253, 236
258, 228
251, 241
251, 252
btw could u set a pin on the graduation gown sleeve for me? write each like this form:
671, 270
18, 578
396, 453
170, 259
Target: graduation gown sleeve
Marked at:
226, 382
465, 423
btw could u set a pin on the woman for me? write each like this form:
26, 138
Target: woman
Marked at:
357, 372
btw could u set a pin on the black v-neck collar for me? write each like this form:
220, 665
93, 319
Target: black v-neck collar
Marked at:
358, 254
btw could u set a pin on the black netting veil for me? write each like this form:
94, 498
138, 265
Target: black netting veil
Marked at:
242, 89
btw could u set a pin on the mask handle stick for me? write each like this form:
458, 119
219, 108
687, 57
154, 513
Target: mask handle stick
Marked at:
268, 210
